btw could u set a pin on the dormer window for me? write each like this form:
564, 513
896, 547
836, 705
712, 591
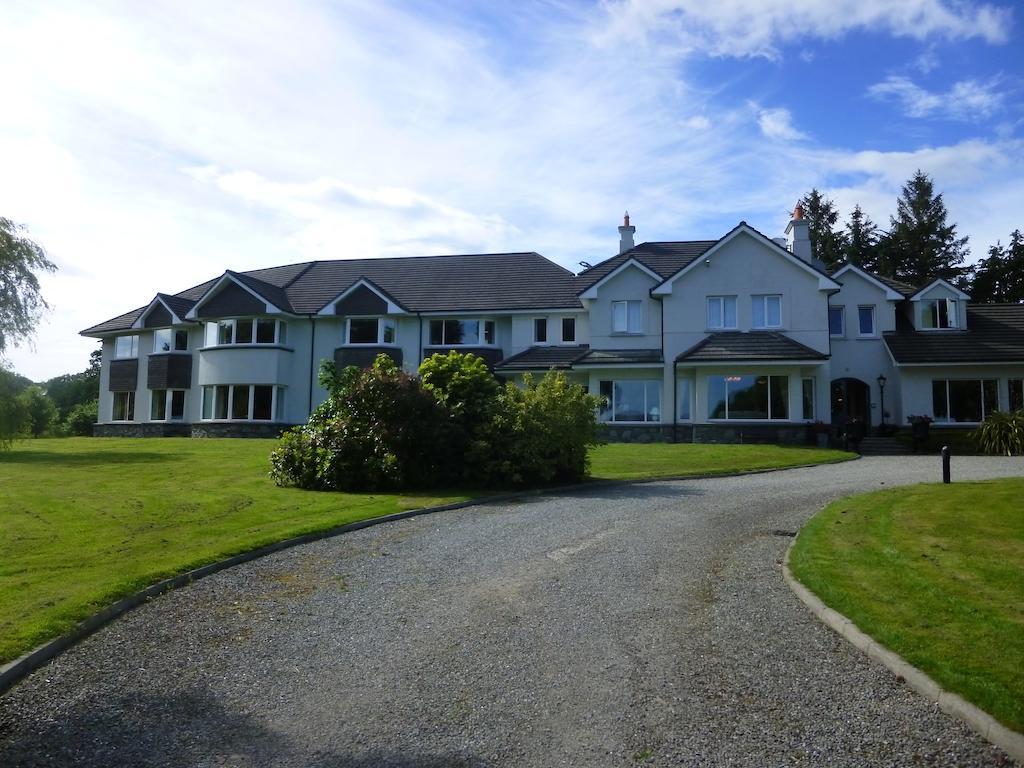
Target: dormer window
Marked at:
938, 313
246, 330
170, 340
370, 330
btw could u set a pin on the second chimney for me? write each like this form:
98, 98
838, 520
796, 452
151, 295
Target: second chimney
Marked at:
798, 235
626, 233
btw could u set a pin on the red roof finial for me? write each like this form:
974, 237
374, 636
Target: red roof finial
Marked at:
798, 212
625, 219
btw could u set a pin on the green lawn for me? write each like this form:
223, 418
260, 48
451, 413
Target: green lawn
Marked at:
936, 574
86, 521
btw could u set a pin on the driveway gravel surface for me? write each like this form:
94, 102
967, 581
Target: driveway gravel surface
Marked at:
617, 626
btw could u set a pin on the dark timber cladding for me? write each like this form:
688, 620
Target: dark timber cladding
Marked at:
362, 301
169, 371
363, 357
231, 301
124, 375
158, 318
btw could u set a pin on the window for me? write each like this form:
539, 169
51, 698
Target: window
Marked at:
721, 311
940, 313
540, 330
631, 400
170, 340
568, 329
464, 332
748, 397
126, 346
167, 404
245, 331
964, 400
836, 321
683, 388
808, 398
243, 402
766, 311
866, 321
371, 330
626, 317
124, 406
1016, 393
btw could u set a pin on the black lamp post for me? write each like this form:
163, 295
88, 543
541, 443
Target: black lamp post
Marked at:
881, 397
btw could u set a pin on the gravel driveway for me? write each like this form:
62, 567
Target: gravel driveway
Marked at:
637, 625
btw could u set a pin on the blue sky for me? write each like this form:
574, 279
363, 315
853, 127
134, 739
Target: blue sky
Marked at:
150, 146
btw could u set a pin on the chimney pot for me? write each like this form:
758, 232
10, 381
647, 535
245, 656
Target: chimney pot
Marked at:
626, 234
798, 211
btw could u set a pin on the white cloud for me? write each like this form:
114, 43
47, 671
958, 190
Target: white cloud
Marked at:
927, 61
965, 100
759, 27
697, 123
778, 124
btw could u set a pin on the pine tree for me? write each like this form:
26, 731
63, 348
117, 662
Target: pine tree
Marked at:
921, 246
827, 245
1000, 277
861, 246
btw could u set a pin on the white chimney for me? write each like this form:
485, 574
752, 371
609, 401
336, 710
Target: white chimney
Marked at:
626, 234
798, 236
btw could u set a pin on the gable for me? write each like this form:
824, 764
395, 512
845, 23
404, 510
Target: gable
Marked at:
158, 317
864, 283
629, 265
361, 301
939, 289
230, 301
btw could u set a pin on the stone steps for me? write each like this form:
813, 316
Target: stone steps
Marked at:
883, 446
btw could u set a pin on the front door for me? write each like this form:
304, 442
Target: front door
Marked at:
851, 399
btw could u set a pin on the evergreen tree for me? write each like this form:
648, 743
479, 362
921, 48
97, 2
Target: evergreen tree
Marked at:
921, 246
1000, 277
861, 246
827, 245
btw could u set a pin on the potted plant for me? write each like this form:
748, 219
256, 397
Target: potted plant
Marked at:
920, 429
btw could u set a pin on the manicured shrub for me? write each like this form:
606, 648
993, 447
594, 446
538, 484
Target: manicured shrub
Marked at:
1001, 433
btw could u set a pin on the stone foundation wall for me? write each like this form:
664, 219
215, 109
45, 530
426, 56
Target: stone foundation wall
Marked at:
778, 434
130, 429
225, 429
645, 433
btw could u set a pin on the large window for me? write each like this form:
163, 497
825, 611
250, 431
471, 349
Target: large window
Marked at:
126, 346
866, 321
124, 406
748, 397
766, 311
631, 400
568, 329
464, 332
245, 331
170, 340
167, 404
627, 317
807, 393
683, 396
836, 321
721, 312
243, 402
1016, 393
964, 400
939, 313
370, 330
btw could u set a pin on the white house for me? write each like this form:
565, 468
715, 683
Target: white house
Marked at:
740, 338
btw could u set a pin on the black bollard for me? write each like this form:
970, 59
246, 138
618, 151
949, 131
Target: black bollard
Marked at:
945, 464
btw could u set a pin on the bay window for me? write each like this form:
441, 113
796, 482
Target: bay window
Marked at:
462, 332
170, 340
126, 346
748, 398
124, 406
721, 312
939, 313
243, 402
245, 330
766, 311
956, 401
627, 317
167, 404
631, 400
370, 330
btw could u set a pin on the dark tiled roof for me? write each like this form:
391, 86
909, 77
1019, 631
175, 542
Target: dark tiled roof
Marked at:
542, 358
464, 283
904, 289
620, 356
663, 258
178, 305
737, 346
995, 334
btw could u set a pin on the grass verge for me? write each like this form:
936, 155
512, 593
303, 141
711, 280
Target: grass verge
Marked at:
936, 574
85, 521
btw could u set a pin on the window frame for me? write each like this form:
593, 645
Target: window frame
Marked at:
540, 330
210, 396
628, 329
804, 381
606, 414
860, 321
684, 397
168, 404
129, 410
383, 323
280, 331
1010, 393
841, 309
481, 334
570, 339
985, 412
762, 299
722, 301
133, 347
769, 418
952, 310
175, 333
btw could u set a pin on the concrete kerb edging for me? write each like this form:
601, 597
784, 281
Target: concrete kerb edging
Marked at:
983, 723
13, 671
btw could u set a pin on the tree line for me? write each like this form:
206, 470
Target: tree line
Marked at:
920, 245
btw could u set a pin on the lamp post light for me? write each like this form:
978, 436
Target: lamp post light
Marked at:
881, 397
